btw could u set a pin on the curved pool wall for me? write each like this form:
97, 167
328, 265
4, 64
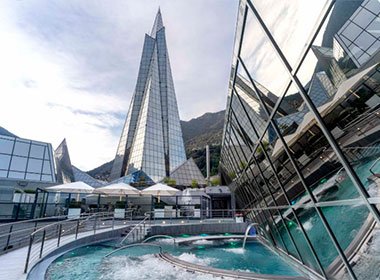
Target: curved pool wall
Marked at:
39, 269
222, 272
222, 258
210, 228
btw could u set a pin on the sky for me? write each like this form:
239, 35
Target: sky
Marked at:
68, 68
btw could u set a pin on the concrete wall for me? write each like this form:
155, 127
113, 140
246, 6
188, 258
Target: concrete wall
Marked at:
237, 228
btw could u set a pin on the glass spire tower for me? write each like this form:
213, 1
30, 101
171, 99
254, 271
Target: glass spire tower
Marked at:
151, 139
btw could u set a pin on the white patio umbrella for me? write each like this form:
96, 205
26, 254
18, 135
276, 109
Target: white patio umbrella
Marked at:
186, 198
75, 187
117, 189
159, 189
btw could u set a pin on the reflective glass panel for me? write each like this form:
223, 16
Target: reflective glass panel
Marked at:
4, 161
6, 145
34, 165
21, 148
37, 151
18, 163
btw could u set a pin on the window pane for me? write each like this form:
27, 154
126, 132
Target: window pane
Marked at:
32, 176
6, 146
21, 149
4, 161
37, 151
46, 178
18, 163
34, 165
16, 175
3, 173
46, 168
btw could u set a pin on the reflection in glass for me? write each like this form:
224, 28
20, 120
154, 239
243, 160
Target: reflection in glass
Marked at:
6, 145
340, 75
4, 161
18, 163
21, 148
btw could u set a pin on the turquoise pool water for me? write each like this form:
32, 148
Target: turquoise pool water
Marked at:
140, 263
345, 221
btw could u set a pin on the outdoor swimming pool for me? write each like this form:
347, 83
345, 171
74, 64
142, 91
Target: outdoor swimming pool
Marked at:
140, 262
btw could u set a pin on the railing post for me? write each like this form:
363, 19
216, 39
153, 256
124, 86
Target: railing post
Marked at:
77, 229
95, 219
59, 234
42, 243
28, 255
9, 237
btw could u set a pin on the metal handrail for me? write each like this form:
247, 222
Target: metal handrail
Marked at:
156, 236
33, 220
133, 245
58, 231
73, 219
147, 215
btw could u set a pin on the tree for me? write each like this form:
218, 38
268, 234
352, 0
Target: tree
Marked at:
169, 181
194, 183
232, 175
215, 181
243, 164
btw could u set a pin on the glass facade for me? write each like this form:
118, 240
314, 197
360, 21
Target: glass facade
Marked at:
301, 142
137, 179
68, 173
188, 173
63, 163
26, 160
152, 137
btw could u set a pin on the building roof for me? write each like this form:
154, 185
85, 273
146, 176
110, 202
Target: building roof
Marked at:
135, 177
186, 173
80, 175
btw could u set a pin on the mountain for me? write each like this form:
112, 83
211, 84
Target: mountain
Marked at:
197, 133
5, 132
206, 129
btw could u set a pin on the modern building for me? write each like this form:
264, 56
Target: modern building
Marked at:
68, 173
304, 165
188, 174
358, 40
24, 161
151, 139
25, 165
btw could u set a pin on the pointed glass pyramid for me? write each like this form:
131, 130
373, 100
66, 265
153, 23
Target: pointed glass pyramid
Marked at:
63, 164
152, 137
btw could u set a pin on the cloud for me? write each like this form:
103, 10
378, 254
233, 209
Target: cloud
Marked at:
291, 23
69, 68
